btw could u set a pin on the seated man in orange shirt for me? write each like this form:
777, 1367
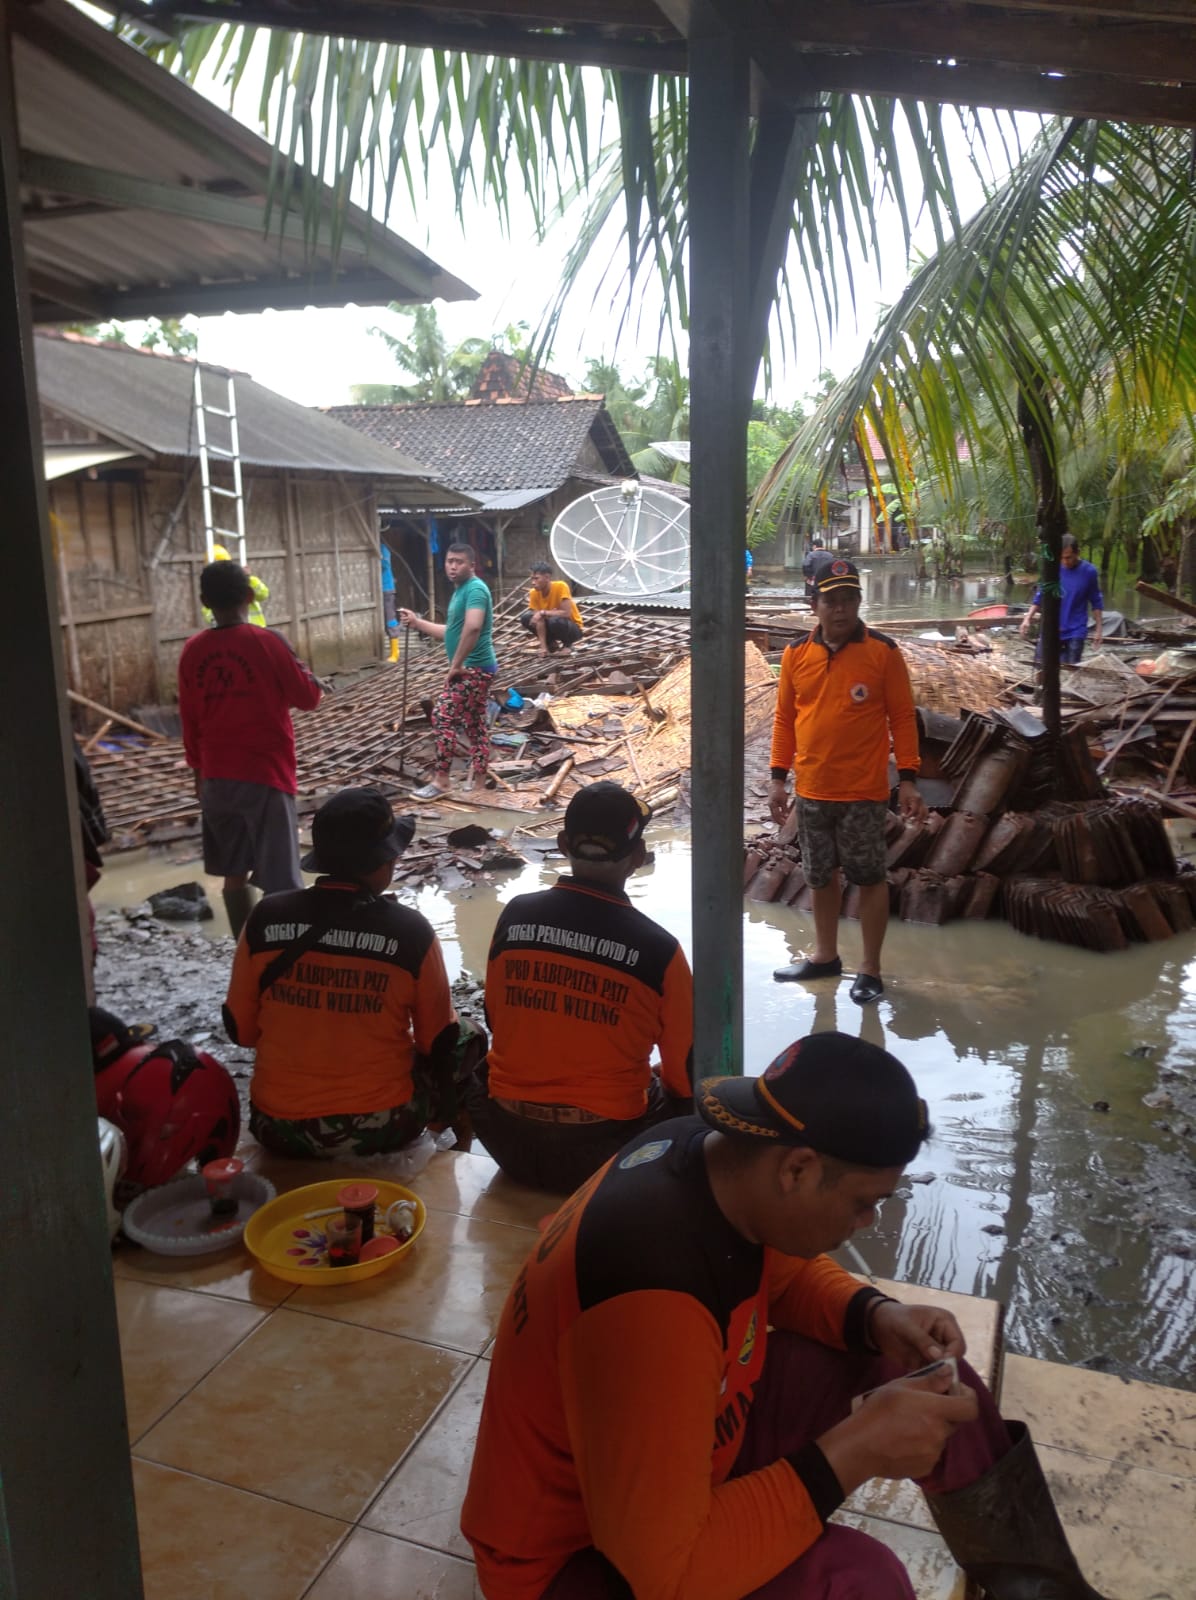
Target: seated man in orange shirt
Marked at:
345, 996
668, 1411
580, 987
552, 613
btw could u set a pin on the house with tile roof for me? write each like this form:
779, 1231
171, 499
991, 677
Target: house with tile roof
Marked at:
521, 459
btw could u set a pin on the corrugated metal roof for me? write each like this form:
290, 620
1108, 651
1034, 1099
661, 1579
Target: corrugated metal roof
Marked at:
63, 459
144, 400
141, 198
509, 499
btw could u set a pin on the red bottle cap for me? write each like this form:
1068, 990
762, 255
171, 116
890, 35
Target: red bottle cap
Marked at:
356, 1196
383, 1244
222, 1171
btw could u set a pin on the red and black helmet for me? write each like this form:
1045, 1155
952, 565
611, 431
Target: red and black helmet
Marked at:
173, 1104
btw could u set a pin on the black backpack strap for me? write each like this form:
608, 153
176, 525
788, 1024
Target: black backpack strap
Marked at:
290, 954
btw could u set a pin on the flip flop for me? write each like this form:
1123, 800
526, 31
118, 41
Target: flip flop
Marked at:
429, 791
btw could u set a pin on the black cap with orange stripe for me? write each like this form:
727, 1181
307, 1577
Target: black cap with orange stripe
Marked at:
842, 1097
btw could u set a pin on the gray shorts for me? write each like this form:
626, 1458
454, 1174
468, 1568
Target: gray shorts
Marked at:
842, 833
250, 828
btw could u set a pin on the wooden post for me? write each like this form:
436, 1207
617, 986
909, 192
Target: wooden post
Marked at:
719, 401
292, 561
431, 571
67, 1521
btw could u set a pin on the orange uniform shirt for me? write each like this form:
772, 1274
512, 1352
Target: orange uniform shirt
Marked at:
579, 988
559, 594
835, 713
622, 1375
338, 1032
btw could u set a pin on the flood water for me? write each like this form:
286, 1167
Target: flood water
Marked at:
1082, 1221
892, 592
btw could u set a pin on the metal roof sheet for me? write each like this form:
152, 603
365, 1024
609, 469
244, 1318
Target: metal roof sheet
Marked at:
141, 198
143, 400
63, 459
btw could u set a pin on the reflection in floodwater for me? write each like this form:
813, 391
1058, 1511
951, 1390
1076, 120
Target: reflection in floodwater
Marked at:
892, 591
1074, 1218
1082, 1222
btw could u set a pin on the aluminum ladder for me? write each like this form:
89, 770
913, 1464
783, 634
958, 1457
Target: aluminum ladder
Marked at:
229, 456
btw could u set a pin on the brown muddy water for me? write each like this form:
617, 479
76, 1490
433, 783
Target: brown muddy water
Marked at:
1061, 1086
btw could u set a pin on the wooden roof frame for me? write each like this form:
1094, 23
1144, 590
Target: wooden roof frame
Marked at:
1113, 59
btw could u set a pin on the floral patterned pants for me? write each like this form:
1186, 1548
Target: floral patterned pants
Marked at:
461, 709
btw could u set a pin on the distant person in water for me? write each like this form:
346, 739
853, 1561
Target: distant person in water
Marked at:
1080, 583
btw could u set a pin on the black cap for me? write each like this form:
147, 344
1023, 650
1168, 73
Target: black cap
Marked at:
604, 822
841, 1096
355, 832
836, 574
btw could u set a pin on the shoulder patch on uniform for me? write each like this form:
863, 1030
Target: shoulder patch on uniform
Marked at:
645, 1153
885, 638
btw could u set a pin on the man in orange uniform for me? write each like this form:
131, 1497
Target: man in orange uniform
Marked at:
552, 613
843, 691
580, 988
668, 1411
344, 995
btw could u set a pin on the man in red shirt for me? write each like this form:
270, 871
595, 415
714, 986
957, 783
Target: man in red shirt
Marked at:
843, 692
237, 685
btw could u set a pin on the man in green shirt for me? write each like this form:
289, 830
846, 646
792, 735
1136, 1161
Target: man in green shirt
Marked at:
460, 707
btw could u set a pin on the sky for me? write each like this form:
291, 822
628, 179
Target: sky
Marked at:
314, 356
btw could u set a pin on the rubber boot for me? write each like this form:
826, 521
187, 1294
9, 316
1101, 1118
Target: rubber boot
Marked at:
238, 903
1005, 1533
394, 650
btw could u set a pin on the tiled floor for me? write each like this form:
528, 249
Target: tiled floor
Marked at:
304, 1444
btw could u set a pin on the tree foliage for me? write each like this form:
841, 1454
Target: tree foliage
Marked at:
173, 335
1070, 291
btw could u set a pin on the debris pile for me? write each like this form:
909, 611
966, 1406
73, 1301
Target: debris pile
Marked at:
1087, 869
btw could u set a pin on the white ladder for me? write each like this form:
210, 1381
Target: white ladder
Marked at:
230, 456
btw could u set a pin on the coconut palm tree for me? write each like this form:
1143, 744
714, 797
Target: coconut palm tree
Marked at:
1063, 310
607, 150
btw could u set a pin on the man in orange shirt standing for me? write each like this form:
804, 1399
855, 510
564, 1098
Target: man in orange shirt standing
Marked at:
843, 694
552, 613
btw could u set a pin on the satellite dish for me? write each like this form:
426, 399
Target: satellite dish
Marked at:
624, 540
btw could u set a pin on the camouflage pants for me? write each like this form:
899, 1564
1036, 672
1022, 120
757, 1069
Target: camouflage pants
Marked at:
461, 709
842, 833
436, 1097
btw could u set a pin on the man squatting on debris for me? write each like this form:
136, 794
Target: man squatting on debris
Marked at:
667, 1414
237, 686
552, 614
579, 988
344, 995
842, 690
461, 705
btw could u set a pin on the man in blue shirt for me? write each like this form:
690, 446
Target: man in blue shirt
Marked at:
1080, 583
388, 601
460, 707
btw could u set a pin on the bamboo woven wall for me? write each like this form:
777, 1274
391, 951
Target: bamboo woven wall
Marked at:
132, 548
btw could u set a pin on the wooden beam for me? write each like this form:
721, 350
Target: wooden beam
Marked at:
985, 35
719, 188
64, 1419
1001, 88
60, 302
1166, 598
451, 28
